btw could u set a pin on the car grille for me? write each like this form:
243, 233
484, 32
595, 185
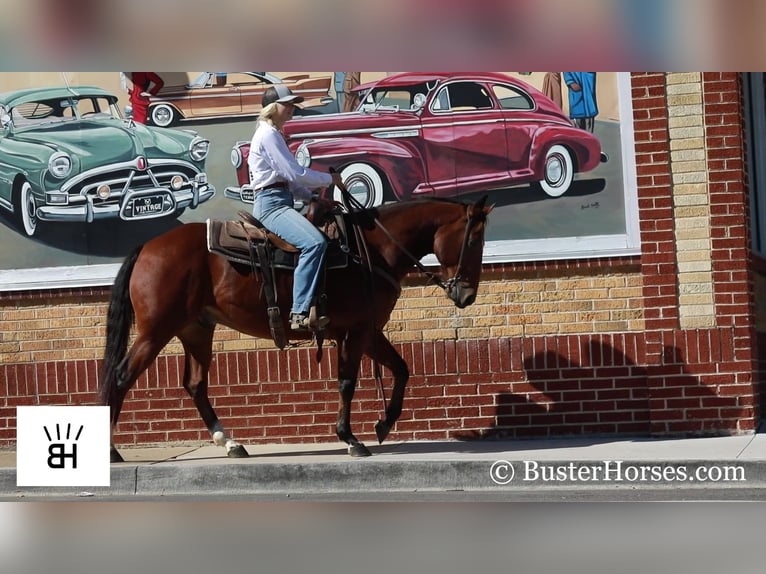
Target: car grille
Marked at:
121, 180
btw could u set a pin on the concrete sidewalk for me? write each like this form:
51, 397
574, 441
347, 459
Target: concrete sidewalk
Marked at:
619, 463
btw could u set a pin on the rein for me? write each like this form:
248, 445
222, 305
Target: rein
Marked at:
352, 205
350, 201
434, 278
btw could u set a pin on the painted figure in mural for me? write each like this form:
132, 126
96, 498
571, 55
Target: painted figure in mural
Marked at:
338, 79
145, 85
552, 87
350, 97
277, 181
582, 99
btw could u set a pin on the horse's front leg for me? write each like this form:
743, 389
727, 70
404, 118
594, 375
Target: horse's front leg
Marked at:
349, 357
382, 351
197, 341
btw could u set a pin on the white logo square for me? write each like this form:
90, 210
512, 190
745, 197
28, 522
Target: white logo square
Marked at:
62, 446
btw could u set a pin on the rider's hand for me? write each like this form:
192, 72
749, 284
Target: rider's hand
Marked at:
326, 203
336, 179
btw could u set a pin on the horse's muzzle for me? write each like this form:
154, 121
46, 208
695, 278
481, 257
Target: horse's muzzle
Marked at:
462, 295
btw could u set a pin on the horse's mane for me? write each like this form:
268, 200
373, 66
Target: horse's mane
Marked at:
409, 204
365, 217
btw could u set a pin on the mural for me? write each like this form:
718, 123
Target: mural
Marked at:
217, 95
81, 183
68, 156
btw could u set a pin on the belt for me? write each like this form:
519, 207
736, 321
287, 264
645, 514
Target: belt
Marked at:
277, 185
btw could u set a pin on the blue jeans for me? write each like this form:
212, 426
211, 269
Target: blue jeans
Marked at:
274, 208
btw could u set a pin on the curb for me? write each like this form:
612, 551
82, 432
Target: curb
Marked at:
234, 479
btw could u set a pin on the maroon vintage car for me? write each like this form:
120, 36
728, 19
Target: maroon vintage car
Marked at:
441, 134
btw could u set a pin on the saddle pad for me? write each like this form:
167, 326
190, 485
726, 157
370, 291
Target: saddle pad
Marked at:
229, 239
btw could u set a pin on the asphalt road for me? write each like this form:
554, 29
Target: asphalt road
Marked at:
383, 538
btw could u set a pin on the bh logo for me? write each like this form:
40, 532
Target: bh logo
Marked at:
62, 446
57, 451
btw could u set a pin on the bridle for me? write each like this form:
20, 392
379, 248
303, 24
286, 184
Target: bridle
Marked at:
351, 204
450, 283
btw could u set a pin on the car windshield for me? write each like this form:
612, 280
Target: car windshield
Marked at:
63, 110
201, 81
207, 78
399, 97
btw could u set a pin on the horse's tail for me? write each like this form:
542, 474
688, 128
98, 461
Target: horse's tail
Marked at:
119, 320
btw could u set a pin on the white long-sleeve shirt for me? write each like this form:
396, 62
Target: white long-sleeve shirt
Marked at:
270, 161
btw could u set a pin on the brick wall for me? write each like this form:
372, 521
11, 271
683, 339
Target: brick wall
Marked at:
658, 344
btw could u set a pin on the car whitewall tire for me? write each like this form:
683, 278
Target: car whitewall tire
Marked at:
163, 115
25, 209
558, 171
363, 182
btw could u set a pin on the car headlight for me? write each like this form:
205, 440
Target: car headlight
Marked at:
60, 165
199, 149
302, 155
176, 182
236, 157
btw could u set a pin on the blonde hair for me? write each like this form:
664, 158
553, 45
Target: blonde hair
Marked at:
267, 113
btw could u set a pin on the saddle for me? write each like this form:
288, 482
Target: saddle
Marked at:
248, 242
233, 240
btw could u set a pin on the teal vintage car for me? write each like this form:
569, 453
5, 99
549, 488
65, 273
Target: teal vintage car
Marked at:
67, 154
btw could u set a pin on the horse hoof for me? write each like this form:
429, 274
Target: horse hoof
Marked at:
238, 452
115, 456
358, 450
381, 430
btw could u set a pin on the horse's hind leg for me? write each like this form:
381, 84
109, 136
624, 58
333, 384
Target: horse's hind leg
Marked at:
197, 341
137, 360
384, 353
349, 357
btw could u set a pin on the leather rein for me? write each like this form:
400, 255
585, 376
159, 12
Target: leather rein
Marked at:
350, 202
352, 205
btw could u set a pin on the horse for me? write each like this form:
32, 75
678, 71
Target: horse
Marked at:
173, 286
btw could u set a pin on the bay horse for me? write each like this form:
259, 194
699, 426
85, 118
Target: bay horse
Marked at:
172, 286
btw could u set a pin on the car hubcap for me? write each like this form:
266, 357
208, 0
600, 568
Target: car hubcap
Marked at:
554, 170
361, 188
29, 216
162, 116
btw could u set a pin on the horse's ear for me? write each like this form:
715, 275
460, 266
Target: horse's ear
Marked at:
480, 206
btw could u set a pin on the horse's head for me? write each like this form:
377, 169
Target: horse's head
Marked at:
459, 246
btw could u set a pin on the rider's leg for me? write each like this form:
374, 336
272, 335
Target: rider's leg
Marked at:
296, 229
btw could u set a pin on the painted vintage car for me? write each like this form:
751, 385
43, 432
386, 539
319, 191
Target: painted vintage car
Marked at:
230, 94
67, 154
440, 134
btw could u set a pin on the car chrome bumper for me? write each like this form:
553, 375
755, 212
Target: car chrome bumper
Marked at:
89, 211
243, 193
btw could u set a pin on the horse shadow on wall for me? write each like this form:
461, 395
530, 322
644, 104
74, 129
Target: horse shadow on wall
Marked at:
600, 391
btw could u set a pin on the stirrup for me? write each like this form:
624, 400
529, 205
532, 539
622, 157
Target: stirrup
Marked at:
303, 322
317, 322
